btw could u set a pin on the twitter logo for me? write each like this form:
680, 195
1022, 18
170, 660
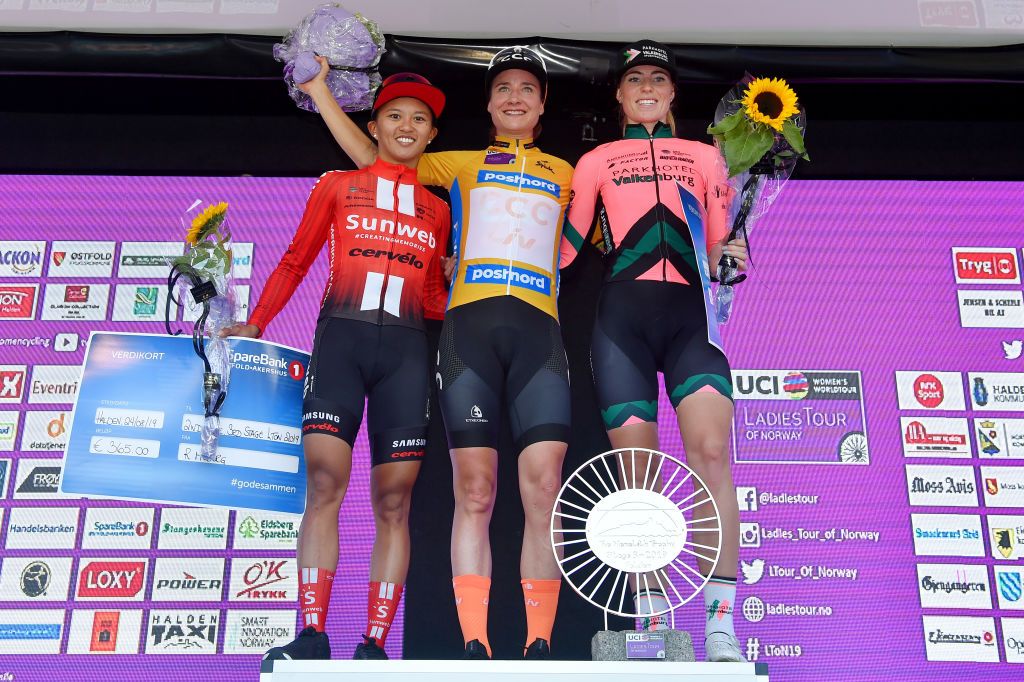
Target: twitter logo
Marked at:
753, 571
1012, 349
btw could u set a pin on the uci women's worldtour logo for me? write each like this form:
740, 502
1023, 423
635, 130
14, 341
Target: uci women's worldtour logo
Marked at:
21, 259
799, 417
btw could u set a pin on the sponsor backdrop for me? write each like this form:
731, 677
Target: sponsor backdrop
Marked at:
878, 444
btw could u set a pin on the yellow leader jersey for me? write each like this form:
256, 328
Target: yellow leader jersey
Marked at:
508, 202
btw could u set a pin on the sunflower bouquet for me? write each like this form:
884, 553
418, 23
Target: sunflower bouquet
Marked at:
759, 130
203, 274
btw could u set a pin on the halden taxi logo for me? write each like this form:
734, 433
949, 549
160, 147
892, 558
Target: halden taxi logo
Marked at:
101, 579
182, 632
35, 578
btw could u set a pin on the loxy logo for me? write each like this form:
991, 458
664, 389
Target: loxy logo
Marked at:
12, 383
930, 390
18, 301
985, 265
112, 579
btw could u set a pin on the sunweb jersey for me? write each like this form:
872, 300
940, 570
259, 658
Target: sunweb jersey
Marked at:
508, 205
636, 180
386, 234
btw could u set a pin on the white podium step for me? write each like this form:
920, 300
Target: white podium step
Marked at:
510, 671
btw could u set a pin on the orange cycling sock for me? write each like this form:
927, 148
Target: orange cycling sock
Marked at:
471, 596
541, 597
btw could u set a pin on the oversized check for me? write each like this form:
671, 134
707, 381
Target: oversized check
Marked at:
136, 426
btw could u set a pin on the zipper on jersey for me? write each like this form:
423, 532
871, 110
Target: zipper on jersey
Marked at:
662, 245
516, 223
391, 251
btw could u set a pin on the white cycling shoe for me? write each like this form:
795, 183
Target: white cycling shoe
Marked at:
721, 647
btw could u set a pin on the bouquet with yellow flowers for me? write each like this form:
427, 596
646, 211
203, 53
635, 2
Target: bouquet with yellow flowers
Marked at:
203, 273
759, 129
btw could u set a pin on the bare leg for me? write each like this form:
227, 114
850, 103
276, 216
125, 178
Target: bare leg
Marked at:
391, 494
328, 465
474, 473
540, 476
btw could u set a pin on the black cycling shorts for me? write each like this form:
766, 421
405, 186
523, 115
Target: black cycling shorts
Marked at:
644, 327
385, 366
497, 347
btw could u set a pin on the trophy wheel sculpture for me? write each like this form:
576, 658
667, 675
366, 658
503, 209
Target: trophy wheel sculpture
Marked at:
624, 521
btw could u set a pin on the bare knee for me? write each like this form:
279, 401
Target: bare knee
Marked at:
391, 507
475, 494
710, 456
325, 488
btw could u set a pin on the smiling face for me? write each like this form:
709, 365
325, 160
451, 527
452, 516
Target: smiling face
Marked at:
516, 103
402, 128
646, 94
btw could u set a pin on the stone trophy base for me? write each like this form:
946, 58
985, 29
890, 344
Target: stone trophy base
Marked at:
609, 645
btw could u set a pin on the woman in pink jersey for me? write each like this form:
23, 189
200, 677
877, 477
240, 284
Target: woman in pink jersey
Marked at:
651, 314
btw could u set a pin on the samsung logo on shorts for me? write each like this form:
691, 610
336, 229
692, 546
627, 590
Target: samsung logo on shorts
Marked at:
518, 180
502, 274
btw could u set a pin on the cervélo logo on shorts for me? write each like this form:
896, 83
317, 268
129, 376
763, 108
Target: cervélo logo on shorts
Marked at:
113, 579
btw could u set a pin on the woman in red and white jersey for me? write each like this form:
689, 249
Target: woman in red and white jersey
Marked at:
652, 310
386, 235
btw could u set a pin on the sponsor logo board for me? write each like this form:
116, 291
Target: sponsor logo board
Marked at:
8, 434
104, 631
998, 438
18, 301
1006, 535
42, 528
947, 534
148, 260
21, 259
193, 528
242, 255
118, 528
13, 379
36, 630
35, 578
106, 579
46, 431
5, 473
81, 259
930, 390
953, 586
75, 302
253, 632
140, 302
54, 384
264, 530
38, 479
977, 265
1009, 587
991, 309
263, 580
1003, 486
997, 391
941, 486
799, 417
947, 437
182, 632
1013, 639
960, 638
188, 579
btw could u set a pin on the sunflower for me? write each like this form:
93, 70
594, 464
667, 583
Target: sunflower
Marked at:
770, 101
206, 222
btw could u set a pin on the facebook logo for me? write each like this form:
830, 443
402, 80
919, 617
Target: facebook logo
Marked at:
746, 498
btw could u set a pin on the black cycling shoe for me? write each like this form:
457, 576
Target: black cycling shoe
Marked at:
475, 651
538, 651
309, 645
369, 651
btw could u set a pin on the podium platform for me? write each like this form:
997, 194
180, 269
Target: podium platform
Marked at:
510, 671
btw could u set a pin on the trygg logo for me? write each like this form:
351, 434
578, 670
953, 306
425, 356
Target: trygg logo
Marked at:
997, 265
519, 181
386, 226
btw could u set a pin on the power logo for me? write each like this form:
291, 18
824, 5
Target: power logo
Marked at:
112, 580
